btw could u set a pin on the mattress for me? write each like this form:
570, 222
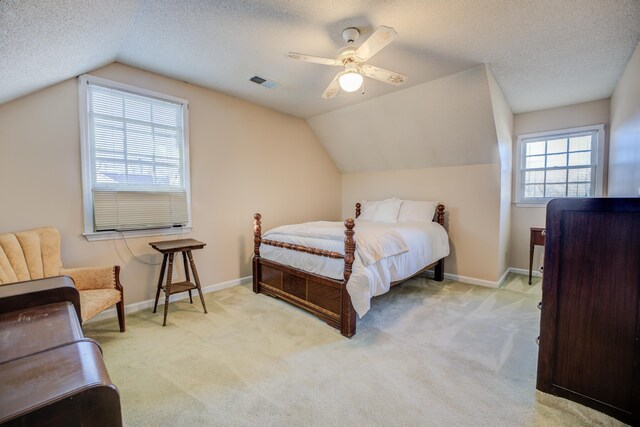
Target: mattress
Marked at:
426, 243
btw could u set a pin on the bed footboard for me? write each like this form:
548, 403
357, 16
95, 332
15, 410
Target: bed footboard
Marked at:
324, 297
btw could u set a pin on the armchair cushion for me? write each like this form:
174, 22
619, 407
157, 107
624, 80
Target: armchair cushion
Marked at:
95, 301
91, 277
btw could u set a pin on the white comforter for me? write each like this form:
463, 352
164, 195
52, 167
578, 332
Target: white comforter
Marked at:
385, 253
375, 241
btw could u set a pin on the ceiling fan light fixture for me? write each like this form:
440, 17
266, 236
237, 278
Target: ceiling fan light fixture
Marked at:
350, 81
354, 59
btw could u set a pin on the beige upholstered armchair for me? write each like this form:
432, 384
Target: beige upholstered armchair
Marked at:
34, 254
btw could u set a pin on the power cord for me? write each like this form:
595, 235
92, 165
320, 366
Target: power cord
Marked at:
133, 255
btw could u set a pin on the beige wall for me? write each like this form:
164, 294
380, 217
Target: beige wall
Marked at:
503, 119
624, 154
423, 123
522, 218
472, 198
444, 122
244, 159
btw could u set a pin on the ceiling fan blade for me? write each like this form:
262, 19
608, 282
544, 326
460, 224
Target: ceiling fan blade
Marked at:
376, 41
333, 88
314, 59
383, 75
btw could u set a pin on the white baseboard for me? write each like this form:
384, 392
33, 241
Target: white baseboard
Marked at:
137, 306
472, 280
480, 282
524, 272
504, 277
469, 280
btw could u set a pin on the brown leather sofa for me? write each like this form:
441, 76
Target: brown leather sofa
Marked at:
50, 374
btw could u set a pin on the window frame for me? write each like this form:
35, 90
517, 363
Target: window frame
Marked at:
87, 167
597, 174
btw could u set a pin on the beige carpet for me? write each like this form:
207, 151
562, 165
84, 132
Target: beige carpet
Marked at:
427, 354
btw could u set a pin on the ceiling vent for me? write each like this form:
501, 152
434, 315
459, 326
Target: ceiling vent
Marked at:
269, 84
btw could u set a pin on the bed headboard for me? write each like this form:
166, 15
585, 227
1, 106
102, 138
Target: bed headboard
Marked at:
437, 217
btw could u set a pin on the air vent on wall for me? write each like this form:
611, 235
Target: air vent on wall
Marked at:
269, 84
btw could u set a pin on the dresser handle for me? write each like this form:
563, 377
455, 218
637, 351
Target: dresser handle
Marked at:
538, 340
540, 305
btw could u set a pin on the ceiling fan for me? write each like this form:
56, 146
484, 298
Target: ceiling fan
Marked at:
353, 60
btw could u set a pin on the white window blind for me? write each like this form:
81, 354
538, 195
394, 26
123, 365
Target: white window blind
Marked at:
560, 164
135, 158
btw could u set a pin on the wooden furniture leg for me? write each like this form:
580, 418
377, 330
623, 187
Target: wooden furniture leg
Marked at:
438, 272
531, 247
257, 239
348, 317
167, 289
197, 280
120, 311
186, 274
164, 264
119, 305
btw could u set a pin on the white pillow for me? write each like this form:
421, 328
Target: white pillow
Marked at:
417, 211
387, 211
367, 210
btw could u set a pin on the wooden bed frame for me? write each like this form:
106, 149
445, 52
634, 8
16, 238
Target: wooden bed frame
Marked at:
322, 296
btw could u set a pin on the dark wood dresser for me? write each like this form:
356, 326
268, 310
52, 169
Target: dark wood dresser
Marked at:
590, 322
50, 374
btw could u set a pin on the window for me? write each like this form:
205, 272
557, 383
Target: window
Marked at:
564, 163
135, 160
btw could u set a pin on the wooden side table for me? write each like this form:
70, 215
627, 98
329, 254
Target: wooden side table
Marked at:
169, 248
536, 239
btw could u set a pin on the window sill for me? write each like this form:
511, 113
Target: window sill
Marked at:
531, 204
112, 235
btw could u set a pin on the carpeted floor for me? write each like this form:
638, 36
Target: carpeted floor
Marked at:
427, 354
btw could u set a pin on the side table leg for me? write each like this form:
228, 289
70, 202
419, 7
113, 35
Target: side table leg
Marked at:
186, 274
197, 280
164, 264
167, 291
531, 260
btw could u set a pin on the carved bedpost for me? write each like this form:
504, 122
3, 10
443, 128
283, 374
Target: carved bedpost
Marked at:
349, 248
358, 206
438, 272
257, 232
257, 238
348, 317
440, 214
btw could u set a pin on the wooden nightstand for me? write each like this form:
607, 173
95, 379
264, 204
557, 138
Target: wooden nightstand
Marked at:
536, 239
169, 248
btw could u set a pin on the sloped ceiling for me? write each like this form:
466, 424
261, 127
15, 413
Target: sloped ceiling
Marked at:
446, 122
543, 53
46, 42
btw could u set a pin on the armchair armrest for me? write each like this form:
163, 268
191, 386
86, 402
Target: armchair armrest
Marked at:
33, 293
86, 278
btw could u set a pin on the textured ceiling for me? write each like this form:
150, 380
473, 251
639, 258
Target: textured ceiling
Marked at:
543, 53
